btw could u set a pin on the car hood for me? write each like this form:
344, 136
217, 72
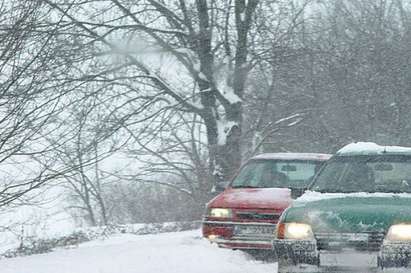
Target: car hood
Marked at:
254, 198
357, 212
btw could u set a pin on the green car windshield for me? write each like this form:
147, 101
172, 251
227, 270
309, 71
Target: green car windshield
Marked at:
382, 173
276, 174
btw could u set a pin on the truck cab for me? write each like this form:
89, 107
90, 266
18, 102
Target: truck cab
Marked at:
245, 214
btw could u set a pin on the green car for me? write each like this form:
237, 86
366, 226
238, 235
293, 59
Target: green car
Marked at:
355, 217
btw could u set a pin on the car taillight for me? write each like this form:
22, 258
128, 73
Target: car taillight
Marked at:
280, 231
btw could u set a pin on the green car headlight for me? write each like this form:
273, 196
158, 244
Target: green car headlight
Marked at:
296, 231
400, 232
220, 213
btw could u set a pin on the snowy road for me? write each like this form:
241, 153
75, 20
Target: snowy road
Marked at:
181, 252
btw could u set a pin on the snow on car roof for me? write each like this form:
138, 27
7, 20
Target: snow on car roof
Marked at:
293, 156
370, 148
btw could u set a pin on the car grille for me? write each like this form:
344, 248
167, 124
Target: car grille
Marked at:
251, 215
359, 241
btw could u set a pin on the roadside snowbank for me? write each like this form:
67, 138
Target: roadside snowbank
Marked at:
177, 252
14, 246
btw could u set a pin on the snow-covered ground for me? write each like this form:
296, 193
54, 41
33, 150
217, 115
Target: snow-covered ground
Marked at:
177, 252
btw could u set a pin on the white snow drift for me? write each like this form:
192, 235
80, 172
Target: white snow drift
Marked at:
179, 252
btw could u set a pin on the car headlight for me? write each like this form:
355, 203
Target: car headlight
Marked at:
297, 231
220, 213
400, 232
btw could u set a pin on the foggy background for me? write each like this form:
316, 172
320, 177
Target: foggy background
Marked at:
117, 112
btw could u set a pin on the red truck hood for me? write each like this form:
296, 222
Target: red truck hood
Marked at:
257, 198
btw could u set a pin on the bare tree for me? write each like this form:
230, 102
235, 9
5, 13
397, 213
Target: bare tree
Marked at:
209, 40
89, 139
27, 105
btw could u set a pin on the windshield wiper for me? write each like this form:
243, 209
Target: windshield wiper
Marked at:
330, 191
244, 186
341, 191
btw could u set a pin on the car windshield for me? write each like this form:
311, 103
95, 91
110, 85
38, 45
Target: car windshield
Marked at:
276, 174
365, 174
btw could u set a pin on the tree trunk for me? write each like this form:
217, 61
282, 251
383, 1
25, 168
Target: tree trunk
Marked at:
224, 144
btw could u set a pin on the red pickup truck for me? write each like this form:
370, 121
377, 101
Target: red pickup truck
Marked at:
245, 214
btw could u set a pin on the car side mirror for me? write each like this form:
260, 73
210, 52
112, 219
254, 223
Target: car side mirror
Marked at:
297, 192
220, 186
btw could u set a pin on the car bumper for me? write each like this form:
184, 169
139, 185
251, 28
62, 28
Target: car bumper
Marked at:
224, 234
294, 253
395, 254
297, 252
